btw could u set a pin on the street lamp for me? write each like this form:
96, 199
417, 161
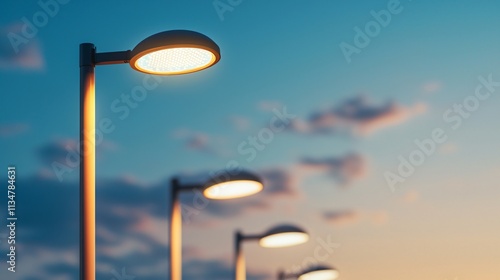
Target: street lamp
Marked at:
166, 53
277, 237
231, 186
320, 272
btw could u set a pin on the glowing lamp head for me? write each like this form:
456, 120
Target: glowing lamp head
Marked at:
283, 236
319, 273
235, 186
174, 52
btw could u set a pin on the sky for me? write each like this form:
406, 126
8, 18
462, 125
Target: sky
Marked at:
370, 122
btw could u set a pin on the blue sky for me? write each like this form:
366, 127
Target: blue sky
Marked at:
327, 171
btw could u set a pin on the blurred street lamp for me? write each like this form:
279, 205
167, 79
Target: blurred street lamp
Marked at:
277, 237
167, 53
319, 272
231, 186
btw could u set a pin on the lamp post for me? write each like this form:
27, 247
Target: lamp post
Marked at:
320, 272
277, 237
230, 187
166, 53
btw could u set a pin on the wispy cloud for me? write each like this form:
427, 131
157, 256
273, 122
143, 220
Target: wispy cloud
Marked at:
130, 228
240, 123
357, 115
202, 142
344, 169
284, 183
58, 151
432, 86
28, 57
279, 183
66, 151
345, 218
342, 217
14, 129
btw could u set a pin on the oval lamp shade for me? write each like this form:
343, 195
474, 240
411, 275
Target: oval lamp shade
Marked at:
319, 273
174, 52
283, 236
233, 186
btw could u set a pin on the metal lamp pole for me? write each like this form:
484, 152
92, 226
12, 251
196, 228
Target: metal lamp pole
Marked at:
239, 257
175, 228
88, 60
87, 163
267, 239
169, 48
230, 186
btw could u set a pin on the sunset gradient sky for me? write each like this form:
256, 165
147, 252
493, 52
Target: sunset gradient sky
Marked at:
433, 66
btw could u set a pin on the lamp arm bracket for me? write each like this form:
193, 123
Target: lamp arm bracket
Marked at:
107, 58
178, 187
251, 237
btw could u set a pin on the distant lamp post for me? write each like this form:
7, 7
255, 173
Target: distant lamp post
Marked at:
232, 186
320, 272
167, 53
277, 237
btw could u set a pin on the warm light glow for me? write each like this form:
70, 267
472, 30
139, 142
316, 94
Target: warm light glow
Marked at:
233, 189
174, 61
176, 241
88, 173
284, 239
326, 274
241, 270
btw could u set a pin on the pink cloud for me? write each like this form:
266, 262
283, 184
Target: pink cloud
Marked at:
344, 169
11, 130
432, 86
27, 56
393, 116
358, 115
202, 142
411, 196
240, 123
